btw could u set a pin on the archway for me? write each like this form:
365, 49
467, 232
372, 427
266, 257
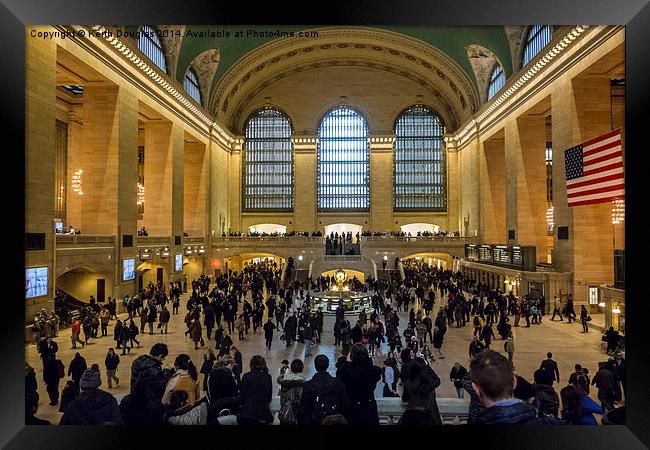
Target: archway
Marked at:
267, 228
442, 261
83, 281
344, 228
414, 228
351, 273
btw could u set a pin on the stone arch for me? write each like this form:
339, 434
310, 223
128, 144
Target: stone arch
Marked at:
483, 61
352, 46
205, 66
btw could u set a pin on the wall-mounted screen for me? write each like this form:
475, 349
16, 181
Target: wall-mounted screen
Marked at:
36, 282
179, 263
128, 269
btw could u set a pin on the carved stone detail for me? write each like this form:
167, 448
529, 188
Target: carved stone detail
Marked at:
515, 35
205, 65
482, 61
172, 41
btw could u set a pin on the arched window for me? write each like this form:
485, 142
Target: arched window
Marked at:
537, 38
191, 86
497, 81
419, 161
343, 161
267, 162
149, 44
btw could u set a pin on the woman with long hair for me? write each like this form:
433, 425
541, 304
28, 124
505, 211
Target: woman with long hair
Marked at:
577, 407
256, 391
185, 378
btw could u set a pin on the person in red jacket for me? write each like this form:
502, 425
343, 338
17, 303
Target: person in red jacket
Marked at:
76, 331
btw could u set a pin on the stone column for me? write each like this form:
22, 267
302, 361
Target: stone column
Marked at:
40, 116
581, 111
305, 176
381, 182
492, 192
454, 221
235, 185
470, 186
195, 188
525, 143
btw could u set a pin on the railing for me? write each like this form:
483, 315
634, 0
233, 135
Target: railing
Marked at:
84, 240
312, 239
449, 408
193, 240
148, 241
343, 258
419, 239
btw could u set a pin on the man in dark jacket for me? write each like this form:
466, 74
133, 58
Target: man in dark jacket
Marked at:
456, 375
76, 368
494, 381
93, 406
322, 395
360, 378
268, 333
475, 347
356, 333
148, 381
550, 367
290, 327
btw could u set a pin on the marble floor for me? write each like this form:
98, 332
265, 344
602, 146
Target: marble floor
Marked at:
568, 345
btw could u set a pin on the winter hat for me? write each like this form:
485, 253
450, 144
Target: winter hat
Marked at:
91, 378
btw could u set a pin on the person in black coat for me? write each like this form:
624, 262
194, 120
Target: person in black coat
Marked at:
256, 391
93, 406
617, 366
148, 382
475, 347
221, 389
456, 375
321, 386
420, 388
360, 378
268, 333
550, 366
356, 333
76, 368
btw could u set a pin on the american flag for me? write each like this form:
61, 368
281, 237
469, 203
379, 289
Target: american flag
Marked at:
594, 170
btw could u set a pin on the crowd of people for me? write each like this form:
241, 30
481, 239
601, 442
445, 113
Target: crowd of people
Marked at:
233, 391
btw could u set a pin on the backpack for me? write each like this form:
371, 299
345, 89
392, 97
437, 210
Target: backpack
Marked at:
477, 323
547, 403
288, 414
60, 369
583, 380
326, 403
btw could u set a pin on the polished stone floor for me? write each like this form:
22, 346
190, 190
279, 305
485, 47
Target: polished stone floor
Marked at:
568, 345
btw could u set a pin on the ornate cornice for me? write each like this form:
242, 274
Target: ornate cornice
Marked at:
381, 46
532, 80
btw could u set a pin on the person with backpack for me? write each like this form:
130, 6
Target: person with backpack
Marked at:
360, 378
475, 347
546, 399
477, 323
185, 378
322, 396
291, 384
580, 378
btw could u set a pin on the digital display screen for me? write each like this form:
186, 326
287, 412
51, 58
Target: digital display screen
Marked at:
517, 259
485, 253
501, 254
58, 226
179, 263
36, 282
128, 269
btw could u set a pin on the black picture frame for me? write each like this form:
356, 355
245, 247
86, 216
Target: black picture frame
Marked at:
635, 14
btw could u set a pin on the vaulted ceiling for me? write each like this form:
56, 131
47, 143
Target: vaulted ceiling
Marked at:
448, 63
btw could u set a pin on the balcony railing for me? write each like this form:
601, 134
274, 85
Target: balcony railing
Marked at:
193, 240
268, 240
148, 241
419, 239
84, 240
449, 408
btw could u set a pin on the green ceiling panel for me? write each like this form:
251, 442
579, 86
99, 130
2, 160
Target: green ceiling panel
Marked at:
451, 40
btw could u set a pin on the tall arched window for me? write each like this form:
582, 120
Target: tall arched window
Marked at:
497, 81
267, 162
419, 161
343, 161
191, 85
149, 44
537, 38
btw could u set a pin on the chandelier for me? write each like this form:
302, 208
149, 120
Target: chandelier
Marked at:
140, 194
77, 182
618, 211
